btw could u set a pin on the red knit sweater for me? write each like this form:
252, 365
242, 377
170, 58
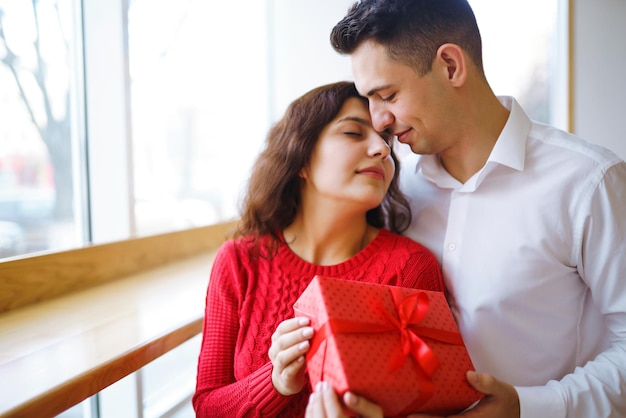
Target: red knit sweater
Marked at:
248, 297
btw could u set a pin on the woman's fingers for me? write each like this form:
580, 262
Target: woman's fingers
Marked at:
323, 403
290, 325
290, 342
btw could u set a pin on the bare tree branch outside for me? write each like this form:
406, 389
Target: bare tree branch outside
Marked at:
35, 51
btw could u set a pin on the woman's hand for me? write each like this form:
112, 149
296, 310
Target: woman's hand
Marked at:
290, 342
323, 403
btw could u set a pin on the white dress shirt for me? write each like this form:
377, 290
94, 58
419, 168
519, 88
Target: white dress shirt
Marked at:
533, 253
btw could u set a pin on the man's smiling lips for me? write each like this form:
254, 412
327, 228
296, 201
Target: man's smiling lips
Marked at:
402, 136
373, 171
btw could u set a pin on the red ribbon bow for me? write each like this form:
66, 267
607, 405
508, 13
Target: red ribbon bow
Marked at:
411, 311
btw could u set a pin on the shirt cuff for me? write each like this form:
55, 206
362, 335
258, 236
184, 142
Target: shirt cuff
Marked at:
540, 402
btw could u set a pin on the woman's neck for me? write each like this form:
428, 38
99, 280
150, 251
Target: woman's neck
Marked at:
329, 242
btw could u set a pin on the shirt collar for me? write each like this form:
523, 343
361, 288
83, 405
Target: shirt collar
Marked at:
509, 150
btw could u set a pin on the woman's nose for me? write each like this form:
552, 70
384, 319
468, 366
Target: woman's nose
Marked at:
378, 146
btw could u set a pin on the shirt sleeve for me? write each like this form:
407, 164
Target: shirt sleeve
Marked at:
218, 393
597, 388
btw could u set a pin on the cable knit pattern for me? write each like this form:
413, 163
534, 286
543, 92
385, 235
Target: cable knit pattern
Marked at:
248, 297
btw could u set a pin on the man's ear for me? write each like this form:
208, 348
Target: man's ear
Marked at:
453, 61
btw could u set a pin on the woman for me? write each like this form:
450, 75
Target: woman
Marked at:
323, 200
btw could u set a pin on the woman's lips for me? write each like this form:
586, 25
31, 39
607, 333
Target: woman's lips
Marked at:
374, 172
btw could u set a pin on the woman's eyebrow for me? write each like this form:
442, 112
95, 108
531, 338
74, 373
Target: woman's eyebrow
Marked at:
356, 119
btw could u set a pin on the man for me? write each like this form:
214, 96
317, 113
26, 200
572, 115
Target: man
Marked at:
527, 221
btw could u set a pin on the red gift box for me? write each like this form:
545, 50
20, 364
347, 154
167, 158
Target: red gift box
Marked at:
398, 347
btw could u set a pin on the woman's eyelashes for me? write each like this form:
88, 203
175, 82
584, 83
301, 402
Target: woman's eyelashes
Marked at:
352, 129
385, 136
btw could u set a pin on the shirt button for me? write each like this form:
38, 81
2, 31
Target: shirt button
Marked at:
451, 246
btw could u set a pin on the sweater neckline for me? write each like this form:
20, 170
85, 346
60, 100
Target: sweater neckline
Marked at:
297, 264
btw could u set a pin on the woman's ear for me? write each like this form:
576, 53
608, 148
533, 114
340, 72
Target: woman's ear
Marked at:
453, 61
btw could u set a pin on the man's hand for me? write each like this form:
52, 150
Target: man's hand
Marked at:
324, 403
500, 400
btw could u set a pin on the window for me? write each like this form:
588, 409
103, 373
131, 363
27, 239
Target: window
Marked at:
199, 107
40, 137
525, 54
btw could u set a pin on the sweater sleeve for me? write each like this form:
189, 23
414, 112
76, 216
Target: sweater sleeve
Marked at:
422, 271
218, 393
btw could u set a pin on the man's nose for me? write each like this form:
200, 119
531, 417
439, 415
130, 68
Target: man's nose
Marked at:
381, 117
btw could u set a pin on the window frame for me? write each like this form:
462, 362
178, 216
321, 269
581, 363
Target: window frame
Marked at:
108, 133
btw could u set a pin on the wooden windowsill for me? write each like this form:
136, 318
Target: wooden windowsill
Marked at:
58, 352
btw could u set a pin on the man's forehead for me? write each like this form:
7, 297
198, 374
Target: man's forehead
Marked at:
367, 62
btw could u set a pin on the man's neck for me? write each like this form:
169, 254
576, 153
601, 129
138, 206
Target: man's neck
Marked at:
470, 153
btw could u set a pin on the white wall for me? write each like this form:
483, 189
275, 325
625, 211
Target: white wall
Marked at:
599, 60
302, 56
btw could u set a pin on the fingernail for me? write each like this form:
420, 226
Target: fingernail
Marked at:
304, 321
472, 376
350, 399
307, 332
303, 345
319, 386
